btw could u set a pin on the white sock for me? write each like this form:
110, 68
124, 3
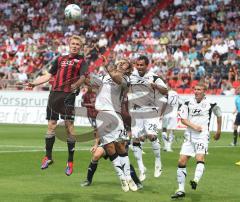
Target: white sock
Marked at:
126, 166
137, 151
164, 138
170, 140
117, 166
181, 176
156, 151
199, 171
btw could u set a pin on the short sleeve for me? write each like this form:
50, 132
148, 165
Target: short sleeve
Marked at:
183, 111
54, 67
84, 68
160, 83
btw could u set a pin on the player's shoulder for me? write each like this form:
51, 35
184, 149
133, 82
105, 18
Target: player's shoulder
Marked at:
189, 101
209, 101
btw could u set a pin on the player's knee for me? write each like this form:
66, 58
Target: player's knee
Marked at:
52, 124
71, 139
110, 148
200, 158
141, 139
137, 144
152, 138
96, 156
182, 162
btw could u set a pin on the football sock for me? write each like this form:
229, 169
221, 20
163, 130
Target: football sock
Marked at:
117, 166
199, 171
125, 165
91, 170
156, 151
71, 148
134, 175
171, 137
137, 152
181, 177
164, 138
235, 136
49, 142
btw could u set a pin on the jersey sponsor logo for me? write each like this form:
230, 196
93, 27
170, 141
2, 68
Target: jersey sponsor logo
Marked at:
196, 112
65, 63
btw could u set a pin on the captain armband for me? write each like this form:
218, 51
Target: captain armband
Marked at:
217, 111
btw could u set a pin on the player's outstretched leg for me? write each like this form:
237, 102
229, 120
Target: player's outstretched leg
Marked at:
181, 177
91, 170
49, 142
137, 151
71, 148
198, 174
135, 177
156, 151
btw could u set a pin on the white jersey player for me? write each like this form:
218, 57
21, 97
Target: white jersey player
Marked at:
169, 121
196, 114
144, 91
110, 126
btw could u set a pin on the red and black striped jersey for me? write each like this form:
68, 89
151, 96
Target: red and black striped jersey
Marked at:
66, 71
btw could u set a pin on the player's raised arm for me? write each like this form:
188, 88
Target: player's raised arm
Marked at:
160, 86
120, 72
218, 113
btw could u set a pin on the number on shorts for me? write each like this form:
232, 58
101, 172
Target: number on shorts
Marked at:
152, 127
200, 146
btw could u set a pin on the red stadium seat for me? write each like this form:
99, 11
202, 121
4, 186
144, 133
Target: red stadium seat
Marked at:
193, 83
180, 91
188, 91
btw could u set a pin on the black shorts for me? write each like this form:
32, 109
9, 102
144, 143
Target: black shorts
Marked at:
237, 120
61, 103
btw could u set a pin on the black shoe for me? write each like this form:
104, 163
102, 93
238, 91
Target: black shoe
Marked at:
86, 183
178, 194
193, 184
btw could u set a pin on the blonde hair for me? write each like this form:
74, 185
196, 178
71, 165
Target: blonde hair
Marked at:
76, 37
202, 84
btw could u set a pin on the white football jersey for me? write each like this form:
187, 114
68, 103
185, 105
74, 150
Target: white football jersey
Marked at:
199, 114
141, 95
173, 102
110, 94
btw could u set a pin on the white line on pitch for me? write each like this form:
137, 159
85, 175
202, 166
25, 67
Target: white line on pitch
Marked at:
76, 149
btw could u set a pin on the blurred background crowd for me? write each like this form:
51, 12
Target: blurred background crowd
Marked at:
185, 40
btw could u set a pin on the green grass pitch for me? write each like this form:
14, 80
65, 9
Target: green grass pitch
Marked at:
21, 179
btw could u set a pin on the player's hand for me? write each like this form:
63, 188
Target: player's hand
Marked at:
154, 86
198, 128
217, 135
93, 149
30, 85
74, 87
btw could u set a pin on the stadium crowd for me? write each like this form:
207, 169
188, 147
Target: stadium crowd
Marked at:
186, 42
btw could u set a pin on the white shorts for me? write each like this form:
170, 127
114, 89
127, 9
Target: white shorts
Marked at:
193, 146
110, 127
169, 122
144, 123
